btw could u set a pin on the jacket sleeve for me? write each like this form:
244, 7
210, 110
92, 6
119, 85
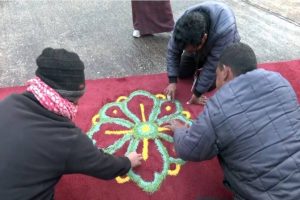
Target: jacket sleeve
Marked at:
87, 159
208, 75
173, 60
198, 142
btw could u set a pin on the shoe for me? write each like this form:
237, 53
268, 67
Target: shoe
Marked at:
136, 33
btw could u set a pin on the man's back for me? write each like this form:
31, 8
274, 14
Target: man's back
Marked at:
39, 142
33, 148
38, 146
256, 119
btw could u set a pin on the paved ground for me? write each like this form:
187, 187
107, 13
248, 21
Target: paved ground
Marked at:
100, 32
289, 10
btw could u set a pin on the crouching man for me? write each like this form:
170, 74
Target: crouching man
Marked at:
252, 123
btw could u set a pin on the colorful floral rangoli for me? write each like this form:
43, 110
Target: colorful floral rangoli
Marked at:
137, 121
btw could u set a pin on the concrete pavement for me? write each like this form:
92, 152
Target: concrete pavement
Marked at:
100, 32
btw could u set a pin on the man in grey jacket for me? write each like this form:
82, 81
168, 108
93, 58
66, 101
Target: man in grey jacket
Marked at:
199, 37
252, 124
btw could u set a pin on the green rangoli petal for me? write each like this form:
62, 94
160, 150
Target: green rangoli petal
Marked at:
152, 186
167, 118
166, 137
121, 122
134, 143
117, 145
141, 130
176, 160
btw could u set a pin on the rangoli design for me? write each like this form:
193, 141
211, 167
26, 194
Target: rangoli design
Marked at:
138, 121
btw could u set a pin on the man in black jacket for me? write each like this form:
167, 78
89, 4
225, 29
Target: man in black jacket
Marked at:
39, 142
199, 37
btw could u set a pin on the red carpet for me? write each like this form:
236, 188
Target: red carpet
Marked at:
193, 179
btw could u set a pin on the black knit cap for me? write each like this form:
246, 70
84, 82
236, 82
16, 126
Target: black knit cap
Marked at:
63, 71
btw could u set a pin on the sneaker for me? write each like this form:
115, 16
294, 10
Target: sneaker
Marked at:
136, 33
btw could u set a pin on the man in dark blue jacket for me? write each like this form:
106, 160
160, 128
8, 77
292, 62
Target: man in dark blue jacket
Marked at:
252, 124
199, 37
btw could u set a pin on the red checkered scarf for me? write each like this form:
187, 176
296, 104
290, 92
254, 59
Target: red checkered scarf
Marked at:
50, 99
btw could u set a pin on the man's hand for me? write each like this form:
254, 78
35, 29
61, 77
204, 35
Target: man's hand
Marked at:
170, 91
135, 159
198, 100
175, 124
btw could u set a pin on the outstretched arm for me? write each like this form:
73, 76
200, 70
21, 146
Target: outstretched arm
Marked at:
87, 159
197, 142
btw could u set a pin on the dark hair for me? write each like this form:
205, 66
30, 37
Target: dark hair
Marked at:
239, 57
190, 29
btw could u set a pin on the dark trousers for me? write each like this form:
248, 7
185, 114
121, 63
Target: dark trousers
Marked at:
191, 65
188, 65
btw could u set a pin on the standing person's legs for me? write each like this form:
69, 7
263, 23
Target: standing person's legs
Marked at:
151, 17
137, 17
